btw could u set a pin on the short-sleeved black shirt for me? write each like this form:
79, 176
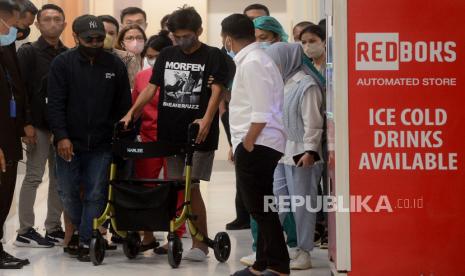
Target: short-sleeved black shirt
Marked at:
184, 91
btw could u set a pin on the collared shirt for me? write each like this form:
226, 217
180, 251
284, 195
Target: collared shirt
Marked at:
34, 62
257, 97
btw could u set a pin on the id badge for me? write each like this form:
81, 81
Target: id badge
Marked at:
12, 108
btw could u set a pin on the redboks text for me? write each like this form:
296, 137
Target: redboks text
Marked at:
385, 51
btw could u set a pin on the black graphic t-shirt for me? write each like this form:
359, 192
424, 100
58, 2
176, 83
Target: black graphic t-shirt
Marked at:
184, 91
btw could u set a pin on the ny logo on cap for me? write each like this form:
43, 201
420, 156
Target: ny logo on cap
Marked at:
93, 24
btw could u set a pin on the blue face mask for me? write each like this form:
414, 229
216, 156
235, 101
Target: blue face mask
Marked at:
9, 38
264, 45
231, 53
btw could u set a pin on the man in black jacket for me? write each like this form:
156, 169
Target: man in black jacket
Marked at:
12, 96
88, 91
34, 60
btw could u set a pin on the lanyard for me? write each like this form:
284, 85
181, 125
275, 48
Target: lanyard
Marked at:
12, 100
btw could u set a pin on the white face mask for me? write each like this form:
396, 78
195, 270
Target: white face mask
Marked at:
314, 50
151, 62
135, 46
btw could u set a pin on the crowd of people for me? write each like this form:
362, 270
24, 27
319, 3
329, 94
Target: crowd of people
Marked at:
62, 103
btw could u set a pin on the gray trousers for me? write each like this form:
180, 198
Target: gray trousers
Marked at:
296, 181
37, 156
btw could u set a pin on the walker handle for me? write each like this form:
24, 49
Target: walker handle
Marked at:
192, 133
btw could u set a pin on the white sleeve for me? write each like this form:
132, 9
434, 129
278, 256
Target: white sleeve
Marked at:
259, 83
312, 118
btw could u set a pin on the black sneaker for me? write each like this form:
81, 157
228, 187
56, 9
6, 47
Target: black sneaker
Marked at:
32, 239
56, 237
83, 255
7, 261
238, 225
11, 258
14, 259
73, 246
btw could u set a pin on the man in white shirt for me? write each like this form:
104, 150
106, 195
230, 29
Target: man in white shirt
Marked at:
258, 139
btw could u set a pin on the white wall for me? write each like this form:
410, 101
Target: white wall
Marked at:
287, 12
155, 9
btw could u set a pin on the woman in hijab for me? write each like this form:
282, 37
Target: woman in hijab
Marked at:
299, 171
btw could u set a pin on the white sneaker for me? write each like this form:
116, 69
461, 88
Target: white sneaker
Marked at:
195, 255
293, 252
248, 260
302, 262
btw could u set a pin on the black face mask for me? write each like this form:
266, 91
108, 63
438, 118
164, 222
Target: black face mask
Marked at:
23, 33
89, 51
187, 43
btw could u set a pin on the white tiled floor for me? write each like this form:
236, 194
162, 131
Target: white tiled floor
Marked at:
219, 198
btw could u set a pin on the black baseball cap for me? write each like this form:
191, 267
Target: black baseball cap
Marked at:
88, 26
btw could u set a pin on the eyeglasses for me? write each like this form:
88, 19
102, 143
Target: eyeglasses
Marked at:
131, 38
90, 39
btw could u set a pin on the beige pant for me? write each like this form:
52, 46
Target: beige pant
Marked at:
37, 156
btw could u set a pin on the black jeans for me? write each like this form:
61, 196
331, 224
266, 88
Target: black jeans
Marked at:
254, 181
7, 189
241, 213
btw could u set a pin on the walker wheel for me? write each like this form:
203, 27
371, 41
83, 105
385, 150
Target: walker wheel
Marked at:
222, 247
175, 252
131, 245
97, 248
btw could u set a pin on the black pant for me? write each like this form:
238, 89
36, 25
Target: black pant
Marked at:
7, 189
241, 213
254, 180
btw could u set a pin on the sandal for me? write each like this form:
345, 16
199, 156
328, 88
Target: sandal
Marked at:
161, 251
145, 247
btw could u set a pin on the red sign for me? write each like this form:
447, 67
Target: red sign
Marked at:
407, 136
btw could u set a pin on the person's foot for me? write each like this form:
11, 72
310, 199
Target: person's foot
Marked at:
238, 225
302, 262
32, 239
116, 239
83, 255
7, 263
109, 246
56, 237
73, 246
248, 260
147, 246
162, 250
246, 272
270, 273
195, 255
11, 258
293, 252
